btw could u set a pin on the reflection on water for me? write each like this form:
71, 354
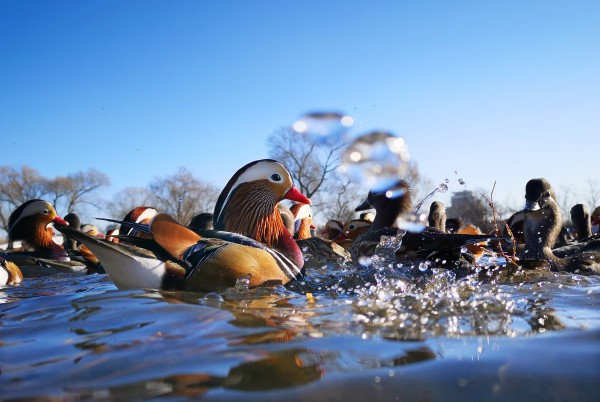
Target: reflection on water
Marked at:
376, 336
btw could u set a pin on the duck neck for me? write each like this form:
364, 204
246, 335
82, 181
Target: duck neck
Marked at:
261, 221
541, 228
304, 229
385, 218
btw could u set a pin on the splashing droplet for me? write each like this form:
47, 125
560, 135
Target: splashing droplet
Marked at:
324, 128
376, 160
442, 188
447, 180
212, 300
461, 182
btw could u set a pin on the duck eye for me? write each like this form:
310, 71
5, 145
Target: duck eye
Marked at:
275, 177
46, 212
547, 194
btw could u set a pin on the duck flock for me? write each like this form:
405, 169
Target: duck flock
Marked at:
252, 237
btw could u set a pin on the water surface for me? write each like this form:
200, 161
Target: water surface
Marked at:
354, 337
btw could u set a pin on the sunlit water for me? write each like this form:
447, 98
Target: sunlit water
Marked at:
339, 334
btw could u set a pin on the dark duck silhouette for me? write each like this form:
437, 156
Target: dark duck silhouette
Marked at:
542, 224
256, 246
437, 216
445, 249
201, 221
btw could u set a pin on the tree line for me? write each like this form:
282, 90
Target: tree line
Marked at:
314, 169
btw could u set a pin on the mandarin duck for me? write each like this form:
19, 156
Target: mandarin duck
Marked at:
287, 217
142, 214
39, 254
10, 274
431, 244
315, 250
112, 231
352, 229
333, 230
542, 224
248, 206
171, 256
31, 223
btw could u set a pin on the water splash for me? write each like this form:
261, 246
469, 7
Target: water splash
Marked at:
376, 160
441, 188
324, 128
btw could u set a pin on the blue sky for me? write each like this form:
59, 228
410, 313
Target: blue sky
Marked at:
499, 91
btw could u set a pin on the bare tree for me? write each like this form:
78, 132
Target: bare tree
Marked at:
309, 164
314, 169
341, 199
16, 187
594, 193
182, 195
65, 193
127, 199
76, 190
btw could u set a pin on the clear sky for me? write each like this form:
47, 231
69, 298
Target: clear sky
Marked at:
499, 91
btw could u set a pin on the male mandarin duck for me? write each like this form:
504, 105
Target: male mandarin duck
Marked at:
287, 217
142, 214
352, 229
39, 254
10, 274
303, 220
173, 256
248, 206
430, 244
315, 250
31, 223
542, 224
333, 230
112, 231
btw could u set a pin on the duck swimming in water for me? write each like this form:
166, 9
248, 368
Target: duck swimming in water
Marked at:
173, 256
542, 224
430, 244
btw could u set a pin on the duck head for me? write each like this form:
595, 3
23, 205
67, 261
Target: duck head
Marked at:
142, 214
31, 223
538, 194
248, 203
388, 204
333, 230
303, 220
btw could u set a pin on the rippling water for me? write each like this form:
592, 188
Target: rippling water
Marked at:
381, 336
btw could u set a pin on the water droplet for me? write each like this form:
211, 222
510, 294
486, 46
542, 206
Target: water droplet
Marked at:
442, 188
376, 160
243, 284
447, 180
324, 128
461, 182
213, 299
